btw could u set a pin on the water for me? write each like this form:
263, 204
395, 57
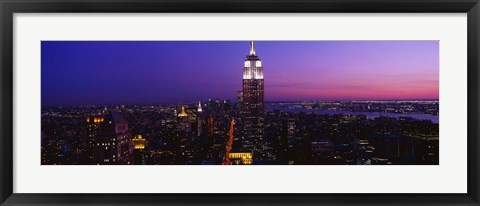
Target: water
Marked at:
369, 115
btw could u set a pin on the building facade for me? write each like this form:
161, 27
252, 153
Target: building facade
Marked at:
253, 107
111, 139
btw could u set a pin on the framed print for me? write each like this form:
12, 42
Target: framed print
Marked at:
252, 103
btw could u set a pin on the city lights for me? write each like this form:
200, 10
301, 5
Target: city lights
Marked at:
217, 129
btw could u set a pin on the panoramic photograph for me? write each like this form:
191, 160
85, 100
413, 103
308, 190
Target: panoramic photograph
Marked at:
240, 102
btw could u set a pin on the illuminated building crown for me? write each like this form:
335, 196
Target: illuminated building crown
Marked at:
253, 65
199, 109
138, 142
183, 113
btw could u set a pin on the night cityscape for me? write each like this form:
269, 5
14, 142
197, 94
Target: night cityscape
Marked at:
102, 103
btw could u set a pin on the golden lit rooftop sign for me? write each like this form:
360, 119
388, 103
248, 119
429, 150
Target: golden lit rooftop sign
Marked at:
241, 155
95, 119
138, 142
241, 158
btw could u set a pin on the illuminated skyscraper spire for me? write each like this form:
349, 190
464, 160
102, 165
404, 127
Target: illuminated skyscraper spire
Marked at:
252, 49
199, 108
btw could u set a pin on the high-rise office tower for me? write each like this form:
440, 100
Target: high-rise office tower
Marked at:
111, 139
92, 126
253, 110
138, 153
183, 128
239, 100
199, 119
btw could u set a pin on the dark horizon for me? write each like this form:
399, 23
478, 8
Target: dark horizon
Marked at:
232, 101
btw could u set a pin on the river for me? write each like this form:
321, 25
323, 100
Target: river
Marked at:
369, 115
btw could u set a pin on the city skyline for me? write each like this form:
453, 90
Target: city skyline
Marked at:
244, 132
165, 72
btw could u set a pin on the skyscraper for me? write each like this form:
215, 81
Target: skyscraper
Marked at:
111, 139
93, 124
199, 119
138, 152
253, 111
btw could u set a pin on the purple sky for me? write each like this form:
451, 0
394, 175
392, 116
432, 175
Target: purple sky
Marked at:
143, 72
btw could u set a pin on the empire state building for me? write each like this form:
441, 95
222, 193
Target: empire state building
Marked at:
253, 109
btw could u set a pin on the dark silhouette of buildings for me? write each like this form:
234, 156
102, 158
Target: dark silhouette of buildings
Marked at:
264, 133
110, 139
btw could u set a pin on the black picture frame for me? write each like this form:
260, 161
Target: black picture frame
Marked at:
9, 7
